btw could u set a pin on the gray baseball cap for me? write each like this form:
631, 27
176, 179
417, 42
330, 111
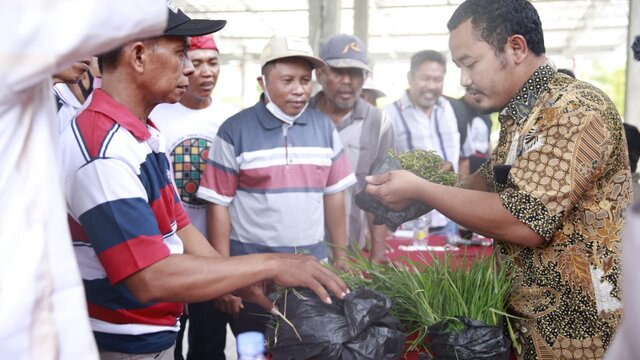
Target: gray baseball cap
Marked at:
345, 51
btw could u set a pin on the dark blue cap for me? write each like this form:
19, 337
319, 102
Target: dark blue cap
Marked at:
345, 51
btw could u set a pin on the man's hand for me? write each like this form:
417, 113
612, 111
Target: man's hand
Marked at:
379, 256
447, 165
341, 262
255, 294
229, 304
296, 270
393, 188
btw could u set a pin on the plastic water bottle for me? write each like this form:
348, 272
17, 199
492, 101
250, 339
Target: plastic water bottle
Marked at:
250, 346
421, 230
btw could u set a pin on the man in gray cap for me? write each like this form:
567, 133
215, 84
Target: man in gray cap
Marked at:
276, 172
365, 131
139, 255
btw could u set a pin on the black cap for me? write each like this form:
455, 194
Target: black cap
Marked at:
180, 24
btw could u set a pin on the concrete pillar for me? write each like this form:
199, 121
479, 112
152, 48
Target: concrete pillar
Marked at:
324, 21
361, 20
632, 91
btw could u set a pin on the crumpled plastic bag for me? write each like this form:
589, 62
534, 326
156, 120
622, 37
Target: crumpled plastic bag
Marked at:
476, 341
381, 213
357, 328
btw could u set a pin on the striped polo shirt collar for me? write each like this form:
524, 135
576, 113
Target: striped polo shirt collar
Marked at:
105, 104
268, 121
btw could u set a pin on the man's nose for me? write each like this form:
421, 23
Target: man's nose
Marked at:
298, 88
187, 68
207, 70
465, 79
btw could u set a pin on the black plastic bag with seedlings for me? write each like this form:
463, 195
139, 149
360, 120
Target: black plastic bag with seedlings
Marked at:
356, 328
475, 340
426, 164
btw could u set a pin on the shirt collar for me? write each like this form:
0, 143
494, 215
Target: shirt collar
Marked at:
268, 121
405, 103
63, 91
359, 109
358, 112
520, 105
105, 104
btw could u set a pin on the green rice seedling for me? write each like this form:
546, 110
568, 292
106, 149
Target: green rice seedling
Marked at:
432, 290
278, 317
426, 164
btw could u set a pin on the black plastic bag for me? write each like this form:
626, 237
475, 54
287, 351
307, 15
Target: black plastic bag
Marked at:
476, 341
356, 328
381, 213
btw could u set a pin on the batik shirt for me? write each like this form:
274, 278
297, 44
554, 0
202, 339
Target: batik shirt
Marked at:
569, 182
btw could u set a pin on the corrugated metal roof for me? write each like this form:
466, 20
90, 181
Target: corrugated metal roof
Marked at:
397, 28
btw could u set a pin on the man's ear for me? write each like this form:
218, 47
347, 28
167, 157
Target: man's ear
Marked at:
260, 82
135, 54
320, 73
517, 48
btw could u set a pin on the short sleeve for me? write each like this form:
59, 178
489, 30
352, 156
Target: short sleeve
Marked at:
110, 202
220, 178
340, 175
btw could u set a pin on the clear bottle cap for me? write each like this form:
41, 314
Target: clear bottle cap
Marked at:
250, 343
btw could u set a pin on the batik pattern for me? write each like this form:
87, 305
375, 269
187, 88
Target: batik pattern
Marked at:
570, 183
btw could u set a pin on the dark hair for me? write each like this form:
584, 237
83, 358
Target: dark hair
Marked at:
636, 48
268, 66
496, 20
567, 72
109, 60
423, 56
271, 64
633, 145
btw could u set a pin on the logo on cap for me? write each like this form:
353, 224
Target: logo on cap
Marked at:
172, 6
353, 46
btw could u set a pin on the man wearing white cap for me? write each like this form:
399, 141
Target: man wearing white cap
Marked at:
370, 92
190, 126
365, 131
277, 170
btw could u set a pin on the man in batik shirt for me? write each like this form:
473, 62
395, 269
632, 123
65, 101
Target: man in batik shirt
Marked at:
553, 195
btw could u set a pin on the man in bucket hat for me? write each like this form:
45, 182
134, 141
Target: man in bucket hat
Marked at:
139, 255
277, 171
364, 130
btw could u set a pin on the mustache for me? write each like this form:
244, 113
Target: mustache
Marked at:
473, 90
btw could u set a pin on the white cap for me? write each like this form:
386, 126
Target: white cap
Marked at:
369, 84
286, 46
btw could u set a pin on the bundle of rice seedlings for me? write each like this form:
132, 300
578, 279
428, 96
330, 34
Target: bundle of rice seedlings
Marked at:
424, 294
426, 164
